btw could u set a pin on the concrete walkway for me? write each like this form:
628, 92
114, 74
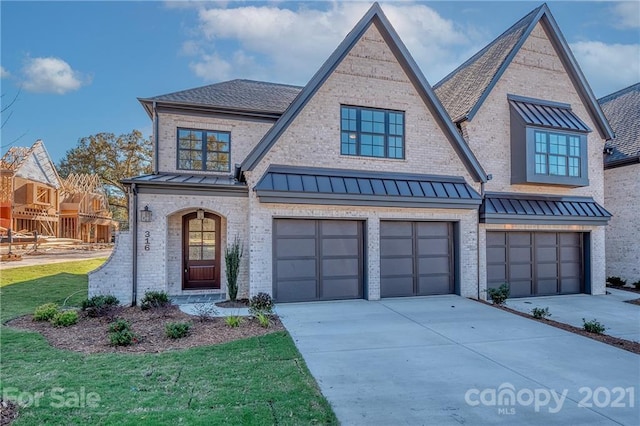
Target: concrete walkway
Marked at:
620, 319
442, 360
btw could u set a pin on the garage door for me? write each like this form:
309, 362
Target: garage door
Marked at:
536, 263
416, 258
317, 260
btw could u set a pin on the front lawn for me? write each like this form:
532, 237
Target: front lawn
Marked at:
260, 381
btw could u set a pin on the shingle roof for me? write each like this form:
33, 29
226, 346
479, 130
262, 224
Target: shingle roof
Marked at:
622, 109
335, 186
461, 90
243, 95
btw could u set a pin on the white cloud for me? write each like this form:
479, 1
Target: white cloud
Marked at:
4, 73
608, 67
51, 75
291, 45
628, 14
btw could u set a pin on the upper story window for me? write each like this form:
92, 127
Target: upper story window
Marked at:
548, 143
372, 132
204, 150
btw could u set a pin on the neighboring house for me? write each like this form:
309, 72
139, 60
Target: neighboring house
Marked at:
527, 112
622, 183
359, 185
84, 209
30, 188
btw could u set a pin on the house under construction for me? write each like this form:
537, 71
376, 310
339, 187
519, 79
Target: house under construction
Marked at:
84, 209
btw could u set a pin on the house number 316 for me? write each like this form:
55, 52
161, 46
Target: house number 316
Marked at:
147, 244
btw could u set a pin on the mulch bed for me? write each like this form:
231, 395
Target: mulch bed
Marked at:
239, 303
627, 345
8, 412
90, 335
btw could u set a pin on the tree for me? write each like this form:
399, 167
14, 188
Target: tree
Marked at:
113, 158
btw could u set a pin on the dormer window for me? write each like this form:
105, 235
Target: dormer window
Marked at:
548, 143
371, 132
203, 150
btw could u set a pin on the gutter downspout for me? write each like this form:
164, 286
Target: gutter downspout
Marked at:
478, 238
155, 139
134, 242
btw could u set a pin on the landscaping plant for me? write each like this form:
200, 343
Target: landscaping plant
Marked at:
616, 281
205, 311
45, 312
593, 326
233, 321
540, 313
637, 285
261, 303
263, 319
177, 330
99, 306
65, 318
120, 333
232, 255
499, 295
154, 299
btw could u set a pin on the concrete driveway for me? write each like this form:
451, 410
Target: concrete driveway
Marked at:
448, 360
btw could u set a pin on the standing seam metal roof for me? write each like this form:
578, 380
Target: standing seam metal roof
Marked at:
549, 116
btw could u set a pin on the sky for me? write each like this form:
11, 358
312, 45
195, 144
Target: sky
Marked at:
74, 69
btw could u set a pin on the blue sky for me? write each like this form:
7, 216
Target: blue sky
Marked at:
78, 67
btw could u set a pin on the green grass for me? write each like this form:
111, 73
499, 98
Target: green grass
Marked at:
259, 381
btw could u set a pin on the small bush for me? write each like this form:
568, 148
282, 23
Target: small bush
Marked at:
499, 295
233, 321
177, 330
65, 318
45, 312
540, 313
99, 306
154, 299
261, 303
263, 319
637, 285
205, 311
616, 281
232, 255
593, 326
120, 333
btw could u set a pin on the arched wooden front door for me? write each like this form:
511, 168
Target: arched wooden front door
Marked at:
201, 251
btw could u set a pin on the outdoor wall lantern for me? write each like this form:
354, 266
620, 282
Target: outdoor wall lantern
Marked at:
145, 214
200, 214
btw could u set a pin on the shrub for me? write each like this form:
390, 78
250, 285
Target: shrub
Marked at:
593, 326
45, 312
261, 303
499, 295
232, 255
65, 318
205, 311
177, 330
540, 313
99, 306
233, 321
616, 281
120, 333
263, 319
637, 285
154, 299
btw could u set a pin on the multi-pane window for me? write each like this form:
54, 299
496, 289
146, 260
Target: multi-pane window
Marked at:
203, 150
372, 132
557, 154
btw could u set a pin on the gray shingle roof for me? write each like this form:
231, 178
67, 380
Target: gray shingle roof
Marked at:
461, 90
243, 95
622, 109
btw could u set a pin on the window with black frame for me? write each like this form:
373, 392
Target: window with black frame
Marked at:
371, 132
204, 150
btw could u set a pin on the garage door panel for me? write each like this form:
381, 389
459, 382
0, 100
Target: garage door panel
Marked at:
571, 285
396, 286
519, 238
497, 273
432, 229
340, 247
520, 288
434, 246
546, 254
520, 254
396, 266
496, 238
571, 270
433, 265
296, 247
570, 254
497, 254
297, 291
340, 227
517, 272
286, 227
396, 246
434, 285
547, 286
570, 238
305, 268
547, 270
396, 229
343, 288
340, 267
546, 239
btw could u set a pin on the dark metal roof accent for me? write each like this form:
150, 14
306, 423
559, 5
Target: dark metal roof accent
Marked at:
303, 185
547, 114
463, 91
622, 109
374, 16
234, 95
183, 183
532, 208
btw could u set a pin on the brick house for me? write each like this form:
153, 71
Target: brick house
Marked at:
622, 183
359, 184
